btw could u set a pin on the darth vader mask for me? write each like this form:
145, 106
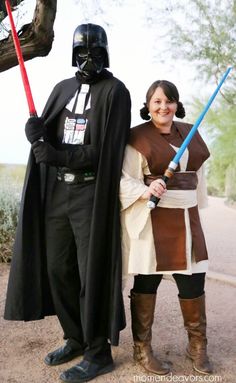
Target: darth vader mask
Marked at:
90, 50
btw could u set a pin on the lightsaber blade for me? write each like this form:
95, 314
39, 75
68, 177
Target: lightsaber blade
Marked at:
32, 109
153, 201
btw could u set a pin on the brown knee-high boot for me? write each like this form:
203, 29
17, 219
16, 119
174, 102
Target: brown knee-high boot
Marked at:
142, 315
194, 316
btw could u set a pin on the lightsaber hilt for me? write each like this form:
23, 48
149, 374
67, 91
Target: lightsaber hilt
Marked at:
32, 109
169, 172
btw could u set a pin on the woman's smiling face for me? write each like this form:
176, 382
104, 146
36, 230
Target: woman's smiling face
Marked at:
161, 109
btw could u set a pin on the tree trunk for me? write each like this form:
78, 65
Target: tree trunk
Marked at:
36, 38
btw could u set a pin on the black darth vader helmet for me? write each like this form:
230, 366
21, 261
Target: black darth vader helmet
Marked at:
90, 49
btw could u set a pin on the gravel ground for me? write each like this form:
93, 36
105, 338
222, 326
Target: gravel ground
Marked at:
23, 346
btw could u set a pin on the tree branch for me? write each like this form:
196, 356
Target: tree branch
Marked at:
13, 3
35, 38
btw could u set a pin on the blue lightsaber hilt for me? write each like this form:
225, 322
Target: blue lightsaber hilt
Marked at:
152, 203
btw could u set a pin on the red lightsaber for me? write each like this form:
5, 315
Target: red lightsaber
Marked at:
32, 109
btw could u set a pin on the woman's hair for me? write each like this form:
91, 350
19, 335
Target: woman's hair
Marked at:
171, 93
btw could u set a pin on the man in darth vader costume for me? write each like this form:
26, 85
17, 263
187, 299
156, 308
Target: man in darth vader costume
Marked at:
67, 253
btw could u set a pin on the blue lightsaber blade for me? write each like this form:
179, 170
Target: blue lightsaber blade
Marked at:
152, 203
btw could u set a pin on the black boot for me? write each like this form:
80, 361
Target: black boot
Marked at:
97, 361
85, 371
69, 351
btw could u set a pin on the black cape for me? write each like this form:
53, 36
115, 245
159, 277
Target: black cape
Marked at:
28, 293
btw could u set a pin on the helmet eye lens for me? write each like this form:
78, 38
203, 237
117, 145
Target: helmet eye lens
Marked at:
96, 52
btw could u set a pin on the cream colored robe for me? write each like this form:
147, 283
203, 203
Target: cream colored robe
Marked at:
137, 239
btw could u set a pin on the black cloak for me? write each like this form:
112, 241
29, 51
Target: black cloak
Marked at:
28, 293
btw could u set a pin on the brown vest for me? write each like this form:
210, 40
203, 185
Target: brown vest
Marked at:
168, 225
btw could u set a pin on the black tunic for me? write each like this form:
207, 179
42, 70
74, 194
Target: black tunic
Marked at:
28, 294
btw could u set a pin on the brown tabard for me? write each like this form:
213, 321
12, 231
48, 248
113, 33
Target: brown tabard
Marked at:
168, 224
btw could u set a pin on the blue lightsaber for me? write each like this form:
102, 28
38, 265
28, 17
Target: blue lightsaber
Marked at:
153, 202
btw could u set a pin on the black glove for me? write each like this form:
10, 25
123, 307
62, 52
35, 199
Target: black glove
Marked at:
35, 129
46, 153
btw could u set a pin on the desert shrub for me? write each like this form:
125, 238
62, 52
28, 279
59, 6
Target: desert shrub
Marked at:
10, 194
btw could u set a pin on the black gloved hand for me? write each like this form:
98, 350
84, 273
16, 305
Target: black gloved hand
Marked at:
35, 129
47, 154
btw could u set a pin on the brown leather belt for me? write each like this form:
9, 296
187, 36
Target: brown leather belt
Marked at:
179, 181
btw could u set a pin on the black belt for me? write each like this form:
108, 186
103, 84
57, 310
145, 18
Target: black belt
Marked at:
73, 178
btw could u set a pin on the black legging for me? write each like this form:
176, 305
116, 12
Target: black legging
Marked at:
189, 286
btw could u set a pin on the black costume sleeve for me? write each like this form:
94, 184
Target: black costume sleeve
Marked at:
82, 157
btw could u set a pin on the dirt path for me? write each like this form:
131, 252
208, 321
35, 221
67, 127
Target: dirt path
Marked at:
219, 222
24, 345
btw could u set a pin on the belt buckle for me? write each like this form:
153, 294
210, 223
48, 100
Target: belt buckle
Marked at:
69, 178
